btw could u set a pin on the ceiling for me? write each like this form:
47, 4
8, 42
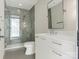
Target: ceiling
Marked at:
23, 4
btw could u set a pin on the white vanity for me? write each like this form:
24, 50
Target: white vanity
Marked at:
56, 46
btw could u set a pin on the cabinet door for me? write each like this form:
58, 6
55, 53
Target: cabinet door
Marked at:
42, 51
68, 48
67, 57
55, 45
1, 29
54, 54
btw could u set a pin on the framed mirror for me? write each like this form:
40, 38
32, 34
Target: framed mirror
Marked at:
55, 14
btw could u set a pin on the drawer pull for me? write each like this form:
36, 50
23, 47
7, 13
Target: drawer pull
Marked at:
56, 53
56, 43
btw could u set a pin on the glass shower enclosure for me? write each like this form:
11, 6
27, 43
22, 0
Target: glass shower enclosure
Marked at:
19, 25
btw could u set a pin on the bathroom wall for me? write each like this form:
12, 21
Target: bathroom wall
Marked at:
41, 17
26, 22
28, 30
7, 27
25, 26
70, 15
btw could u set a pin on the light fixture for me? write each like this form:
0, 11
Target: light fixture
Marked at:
24, 24
18, 10
20, 4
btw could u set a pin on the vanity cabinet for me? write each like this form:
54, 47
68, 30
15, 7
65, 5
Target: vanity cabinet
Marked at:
41, 48
45, 50
55, 47
1, 29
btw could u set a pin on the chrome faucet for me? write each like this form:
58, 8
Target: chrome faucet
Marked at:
52, 32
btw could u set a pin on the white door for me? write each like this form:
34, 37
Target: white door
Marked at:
1, 29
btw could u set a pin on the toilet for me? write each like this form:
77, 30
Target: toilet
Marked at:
30, 48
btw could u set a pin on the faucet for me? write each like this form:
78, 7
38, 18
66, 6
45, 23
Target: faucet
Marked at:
52, 32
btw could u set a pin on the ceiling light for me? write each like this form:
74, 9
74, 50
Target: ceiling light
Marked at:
18, 10
20, 4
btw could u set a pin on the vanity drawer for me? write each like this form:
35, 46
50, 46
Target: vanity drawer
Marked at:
67, 57
54, 54
69, 50
54, 44
56, 47
65, 50
61, 55
55, 40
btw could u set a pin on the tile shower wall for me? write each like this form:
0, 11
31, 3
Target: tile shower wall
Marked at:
7, 27
32, 17
26, 23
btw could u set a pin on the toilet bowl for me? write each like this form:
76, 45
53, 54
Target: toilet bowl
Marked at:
30, 48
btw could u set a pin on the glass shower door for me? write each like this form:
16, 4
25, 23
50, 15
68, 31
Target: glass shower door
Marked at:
14, 29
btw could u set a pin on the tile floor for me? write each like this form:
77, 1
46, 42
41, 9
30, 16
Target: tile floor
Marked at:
17, 54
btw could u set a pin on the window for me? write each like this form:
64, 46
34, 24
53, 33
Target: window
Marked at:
14, 26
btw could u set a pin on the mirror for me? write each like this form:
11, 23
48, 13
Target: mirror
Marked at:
55, 14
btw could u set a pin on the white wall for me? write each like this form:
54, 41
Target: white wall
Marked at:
71, 19
41, 19
70, 15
